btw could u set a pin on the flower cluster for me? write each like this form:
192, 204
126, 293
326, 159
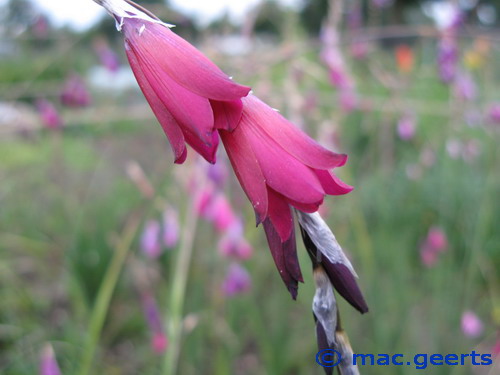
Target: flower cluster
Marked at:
278, 166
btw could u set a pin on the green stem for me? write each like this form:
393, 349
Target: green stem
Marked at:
179, 283
105, 293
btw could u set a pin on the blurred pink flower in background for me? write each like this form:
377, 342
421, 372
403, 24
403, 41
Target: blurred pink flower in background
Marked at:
108, 58
159, 340
74, 93
218, 173
170, 228
49, 115
348, 100
382, 3
237, 281
40, 27
436, 242
48, 363
454, 148
203, 200
472, 326
465, 88
189, 94
221, 213
150, 239
494, 113
233, 244
447, 59
407, 127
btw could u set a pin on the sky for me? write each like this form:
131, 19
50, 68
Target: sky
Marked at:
79, 14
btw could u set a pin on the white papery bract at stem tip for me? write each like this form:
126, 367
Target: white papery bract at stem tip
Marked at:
121, 9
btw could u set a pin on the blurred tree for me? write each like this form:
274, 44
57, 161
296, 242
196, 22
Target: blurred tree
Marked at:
18, 15
314, 12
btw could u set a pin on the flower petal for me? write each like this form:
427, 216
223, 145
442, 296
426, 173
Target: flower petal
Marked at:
280, 214
284, 173
291, 138
168, 123
227, 115
247, 170
182, 61
189, 109
332, 184
207, 151
277, 248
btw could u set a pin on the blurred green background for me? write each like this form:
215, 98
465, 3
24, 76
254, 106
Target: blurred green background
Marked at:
71, 217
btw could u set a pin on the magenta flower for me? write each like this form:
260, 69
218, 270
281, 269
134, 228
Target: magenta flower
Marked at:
150, 239
170, 228
109, 59
406, 127
494, 113
472, 326
237, 281
447, 59
49, 115
190, 96
436, 242
75, 93
280, 167
48, 363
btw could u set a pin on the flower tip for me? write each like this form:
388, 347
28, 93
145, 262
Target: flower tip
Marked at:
343, 160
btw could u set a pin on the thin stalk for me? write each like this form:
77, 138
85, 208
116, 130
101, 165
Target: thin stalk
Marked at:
105, 293
178, 291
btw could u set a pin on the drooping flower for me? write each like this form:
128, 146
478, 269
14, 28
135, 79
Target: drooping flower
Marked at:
237, 281
150, 239
74, 93
279, 166
190, 96
48, 363
472, 326
49, 115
